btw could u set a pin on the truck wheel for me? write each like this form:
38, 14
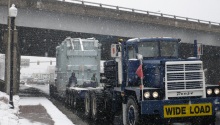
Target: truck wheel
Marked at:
71, 98
132, 113
75, 100
51, 90
108, 106
87, 101
97, 105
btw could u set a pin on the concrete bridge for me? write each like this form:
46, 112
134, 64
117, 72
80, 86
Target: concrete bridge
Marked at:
91, 18
43, 24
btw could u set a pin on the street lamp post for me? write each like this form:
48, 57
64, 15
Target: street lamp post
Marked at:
12, 15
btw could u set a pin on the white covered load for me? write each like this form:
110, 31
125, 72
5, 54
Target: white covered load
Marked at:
81, 56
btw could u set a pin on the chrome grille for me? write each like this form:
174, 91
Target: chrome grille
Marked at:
183, 76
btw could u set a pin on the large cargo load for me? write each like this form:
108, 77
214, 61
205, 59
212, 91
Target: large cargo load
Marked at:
81, 56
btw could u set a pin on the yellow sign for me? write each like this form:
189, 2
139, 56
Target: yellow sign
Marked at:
187, 110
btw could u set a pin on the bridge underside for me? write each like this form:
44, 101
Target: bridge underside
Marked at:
38, 42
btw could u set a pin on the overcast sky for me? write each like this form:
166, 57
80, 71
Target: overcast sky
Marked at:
208, 10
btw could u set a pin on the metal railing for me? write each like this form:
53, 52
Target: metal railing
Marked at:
141, 11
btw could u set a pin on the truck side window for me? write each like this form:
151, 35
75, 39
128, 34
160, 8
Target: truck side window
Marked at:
131, 52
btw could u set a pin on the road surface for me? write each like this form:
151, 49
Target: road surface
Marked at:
76, 116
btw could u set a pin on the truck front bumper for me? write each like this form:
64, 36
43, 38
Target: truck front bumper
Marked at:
181, 107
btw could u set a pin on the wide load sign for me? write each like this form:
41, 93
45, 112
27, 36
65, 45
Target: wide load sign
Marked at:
187, 110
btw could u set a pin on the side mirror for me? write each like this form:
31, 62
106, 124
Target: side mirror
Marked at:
139, 56
114, 50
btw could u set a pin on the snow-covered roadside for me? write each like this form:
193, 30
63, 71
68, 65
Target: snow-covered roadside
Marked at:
8, 116
43, 88
57, 116
11, 116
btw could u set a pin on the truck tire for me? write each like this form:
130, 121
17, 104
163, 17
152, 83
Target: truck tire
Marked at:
51, 87
132, 113
97, 107
71, 98
75, 101
87, 102
108, 106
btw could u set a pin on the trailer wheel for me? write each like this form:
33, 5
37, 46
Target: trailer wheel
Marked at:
132, 113
87, 102
97, 105
71, 98
67, 98
51, 87
75, 100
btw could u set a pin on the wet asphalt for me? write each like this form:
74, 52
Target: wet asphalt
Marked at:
77, 116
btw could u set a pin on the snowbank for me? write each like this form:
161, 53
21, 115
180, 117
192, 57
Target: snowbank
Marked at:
8, 116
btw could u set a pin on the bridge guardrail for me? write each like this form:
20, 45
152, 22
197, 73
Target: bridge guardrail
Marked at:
141, 11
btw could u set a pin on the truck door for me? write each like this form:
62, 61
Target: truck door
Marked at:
132, 65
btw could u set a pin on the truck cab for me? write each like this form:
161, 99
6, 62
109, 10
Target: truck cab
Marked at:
156, 83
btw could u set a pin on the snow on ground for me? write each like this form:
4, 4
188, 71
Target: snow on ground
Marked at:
43, 88
11, 116
8, 116
57, 116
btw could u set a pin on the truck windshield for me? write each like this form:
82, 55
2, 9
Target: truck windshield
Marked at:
148, 49
169, 49
151, 49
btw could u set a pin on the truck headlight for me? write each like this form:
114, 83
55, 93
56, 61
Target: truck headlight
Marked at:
155, 94
147, 95
216, 91
209, 91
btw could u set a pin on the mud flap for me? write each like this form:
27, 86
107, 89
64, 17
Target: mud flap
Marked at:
124, 113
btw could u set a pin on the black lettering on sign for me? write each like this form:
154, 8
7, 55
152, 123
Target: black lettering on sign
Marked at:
178, 110
202, 110
183, 110
175, 110
169, 111
207, 109
191, 112
196, 109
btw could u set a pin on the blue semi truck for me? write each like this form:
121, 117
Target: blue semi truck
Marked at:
146, 81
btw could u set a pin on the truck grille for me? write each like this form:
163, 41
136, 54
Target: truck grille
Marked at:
184, 76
